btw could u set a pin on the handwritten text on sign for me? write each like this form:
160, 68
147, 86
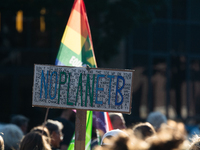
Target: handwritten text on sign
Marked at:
81, 88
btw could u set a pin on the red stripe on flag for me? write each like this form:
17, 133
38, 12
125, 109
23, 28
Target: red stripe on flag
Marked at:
77, 22
86, 20
79, 6
108, 122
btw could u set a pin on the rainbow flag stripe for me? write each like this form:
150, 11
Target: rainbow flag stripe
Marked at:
76, 48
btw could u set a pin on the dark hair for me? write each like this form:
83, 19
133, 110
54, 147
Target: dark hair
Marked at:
53, 125
120, 143
34, 141
19, 120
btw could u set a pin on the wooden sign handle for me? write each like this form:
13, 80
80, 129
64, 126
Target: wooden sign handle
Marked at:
80, 128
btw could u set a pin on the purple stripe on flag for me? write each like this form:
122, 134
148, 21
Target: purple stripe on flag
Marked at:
58, 63
99, 121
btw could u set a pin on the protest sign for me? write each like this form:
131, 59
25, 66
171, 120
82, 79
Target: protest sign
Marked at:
82, 88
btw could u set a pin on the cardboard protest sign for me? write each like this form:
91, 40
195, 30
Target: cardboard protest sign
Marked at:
82, 88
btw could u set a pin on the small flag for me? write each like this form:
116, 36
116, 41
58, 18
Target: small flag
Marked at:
108, 122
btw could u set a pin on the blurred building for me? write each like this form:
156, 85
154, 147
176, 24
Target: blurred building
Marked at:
166, 57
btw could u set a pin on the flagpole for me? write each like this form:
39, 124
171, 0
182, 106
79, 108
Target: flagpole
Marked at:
45, 119
80, 129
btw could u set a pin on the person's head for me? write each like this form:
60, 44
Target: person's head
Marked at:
108, 135
122, 140
143, 130
1, 143
34, 141
44, 131
117, 121
12, 136
118, 142
55, 129
156, 119
167, 138
21, 121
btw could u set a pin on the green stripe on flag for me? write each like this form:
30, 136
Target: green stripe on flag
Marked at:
87, 53
65, 54
72, 143
88, 135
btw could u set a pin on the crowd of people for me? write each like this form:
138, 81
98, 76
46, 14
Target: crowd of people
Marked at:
156, 133
46, 136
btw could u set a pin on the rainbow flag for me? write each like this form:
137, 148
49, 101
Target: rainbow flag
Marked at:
76, 48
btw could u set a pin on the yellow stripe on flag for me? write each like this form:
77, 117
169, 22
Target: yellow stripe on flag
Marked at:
91, 61
73, 40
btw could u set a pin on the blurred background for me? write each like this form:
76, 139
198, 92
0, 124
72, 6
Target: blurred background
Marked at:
159, 39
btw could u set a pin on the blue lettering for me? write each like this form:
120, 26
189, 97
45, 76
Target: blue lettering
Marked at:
45, 85
55, 85
98, 89
119, 90
111, 77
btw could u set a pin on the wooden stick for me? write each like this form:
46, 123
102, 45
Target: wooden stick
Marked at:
80, 128
45, 119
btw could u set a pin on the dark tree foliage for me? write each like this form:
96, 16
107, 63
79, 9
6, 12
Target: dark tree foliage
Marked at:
110, 20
